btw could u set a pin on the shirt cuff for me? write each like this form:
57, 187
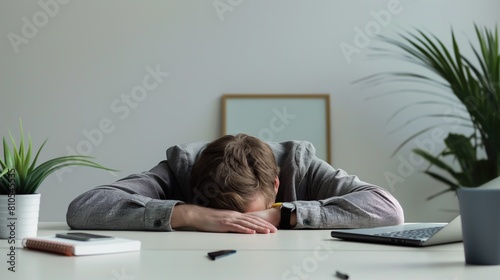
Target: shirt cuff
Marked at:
158, 214
308, 214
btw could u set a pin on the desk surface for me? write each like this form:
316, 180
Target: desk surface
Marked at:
307, 254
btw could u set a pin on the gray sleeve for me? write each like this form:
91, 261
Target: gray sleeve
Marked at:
334, 199
137, 202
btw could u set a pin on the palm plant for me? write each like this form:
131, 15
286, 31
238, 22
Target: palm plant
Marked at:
19, 174
469, 159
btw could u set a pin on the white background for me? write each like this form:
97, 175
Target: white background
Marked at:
70, 76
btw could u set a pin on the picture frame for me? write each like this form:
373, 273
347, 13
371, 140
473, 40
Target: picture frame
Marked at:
280, 117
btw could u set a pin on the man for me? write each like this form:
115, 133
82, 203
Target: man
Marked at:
231, 185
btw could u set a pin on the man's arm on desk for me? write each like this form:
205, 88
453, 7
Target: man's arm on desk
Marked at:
215, 220
115, 209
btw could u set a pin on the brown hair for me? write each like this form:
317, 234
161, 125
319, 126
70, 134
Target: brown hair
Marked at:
232, 170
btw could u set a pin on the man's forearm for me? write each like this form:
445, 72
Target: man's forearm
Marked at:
182, 216
113, 209
217, 220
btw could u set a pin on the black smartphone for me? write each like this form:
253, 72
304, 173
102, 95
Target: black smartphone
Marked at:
83, 236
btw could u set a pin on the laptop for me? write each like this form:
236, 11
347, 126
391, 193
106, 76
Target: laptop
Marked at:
413, 234
416, 234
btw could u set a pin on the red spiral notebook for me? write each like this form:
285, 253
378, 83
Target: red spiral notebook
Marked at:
53, 244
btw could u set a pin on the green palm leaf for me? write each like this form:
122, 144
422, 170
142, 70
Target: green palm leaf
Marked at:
475, 84
28, 176
451, 185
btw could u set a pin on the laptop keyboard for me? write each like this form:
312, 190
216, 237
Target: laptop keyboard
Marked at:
418, 234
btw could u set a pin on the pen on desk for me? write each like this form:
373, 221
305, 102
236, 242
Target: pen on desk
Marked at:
341, 275
217, 254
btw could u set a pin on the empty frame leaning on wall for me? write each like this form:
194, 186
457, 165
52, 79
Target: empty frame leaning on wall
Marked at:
280, 117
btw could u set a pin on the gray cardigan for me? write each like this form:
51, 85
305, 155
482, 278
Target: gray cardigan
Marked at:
324, 197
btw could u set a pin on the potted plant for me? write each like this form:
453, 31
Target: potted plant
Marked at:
472, 84
20, 178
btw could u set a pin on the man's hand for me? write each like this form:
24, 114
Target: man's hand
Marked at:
215, 220
272, 215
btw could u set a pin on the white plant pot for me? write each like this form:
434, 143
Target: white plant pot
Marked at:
19, 216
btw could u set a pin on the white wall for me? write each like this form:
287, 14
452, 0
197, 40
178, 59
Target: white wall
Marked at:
71, 73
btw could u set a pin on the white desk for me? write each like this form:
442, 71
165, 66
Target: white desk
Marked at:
310, 254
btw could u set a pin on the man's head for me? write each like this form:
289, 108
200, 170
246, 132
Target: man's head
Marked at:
237, 173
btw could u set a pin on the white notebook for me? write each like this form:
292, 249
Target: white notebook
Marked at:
69, 247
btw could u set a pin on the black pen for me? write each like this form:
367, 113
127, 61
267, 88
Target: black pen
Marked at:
217, 254
341, 275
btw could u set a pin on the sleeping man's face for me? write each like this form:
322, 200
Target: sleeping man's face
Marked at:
259, 204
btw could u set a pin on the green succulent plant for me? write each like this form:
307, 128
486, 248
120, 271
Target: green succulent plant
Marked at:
468, 159
19, 172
